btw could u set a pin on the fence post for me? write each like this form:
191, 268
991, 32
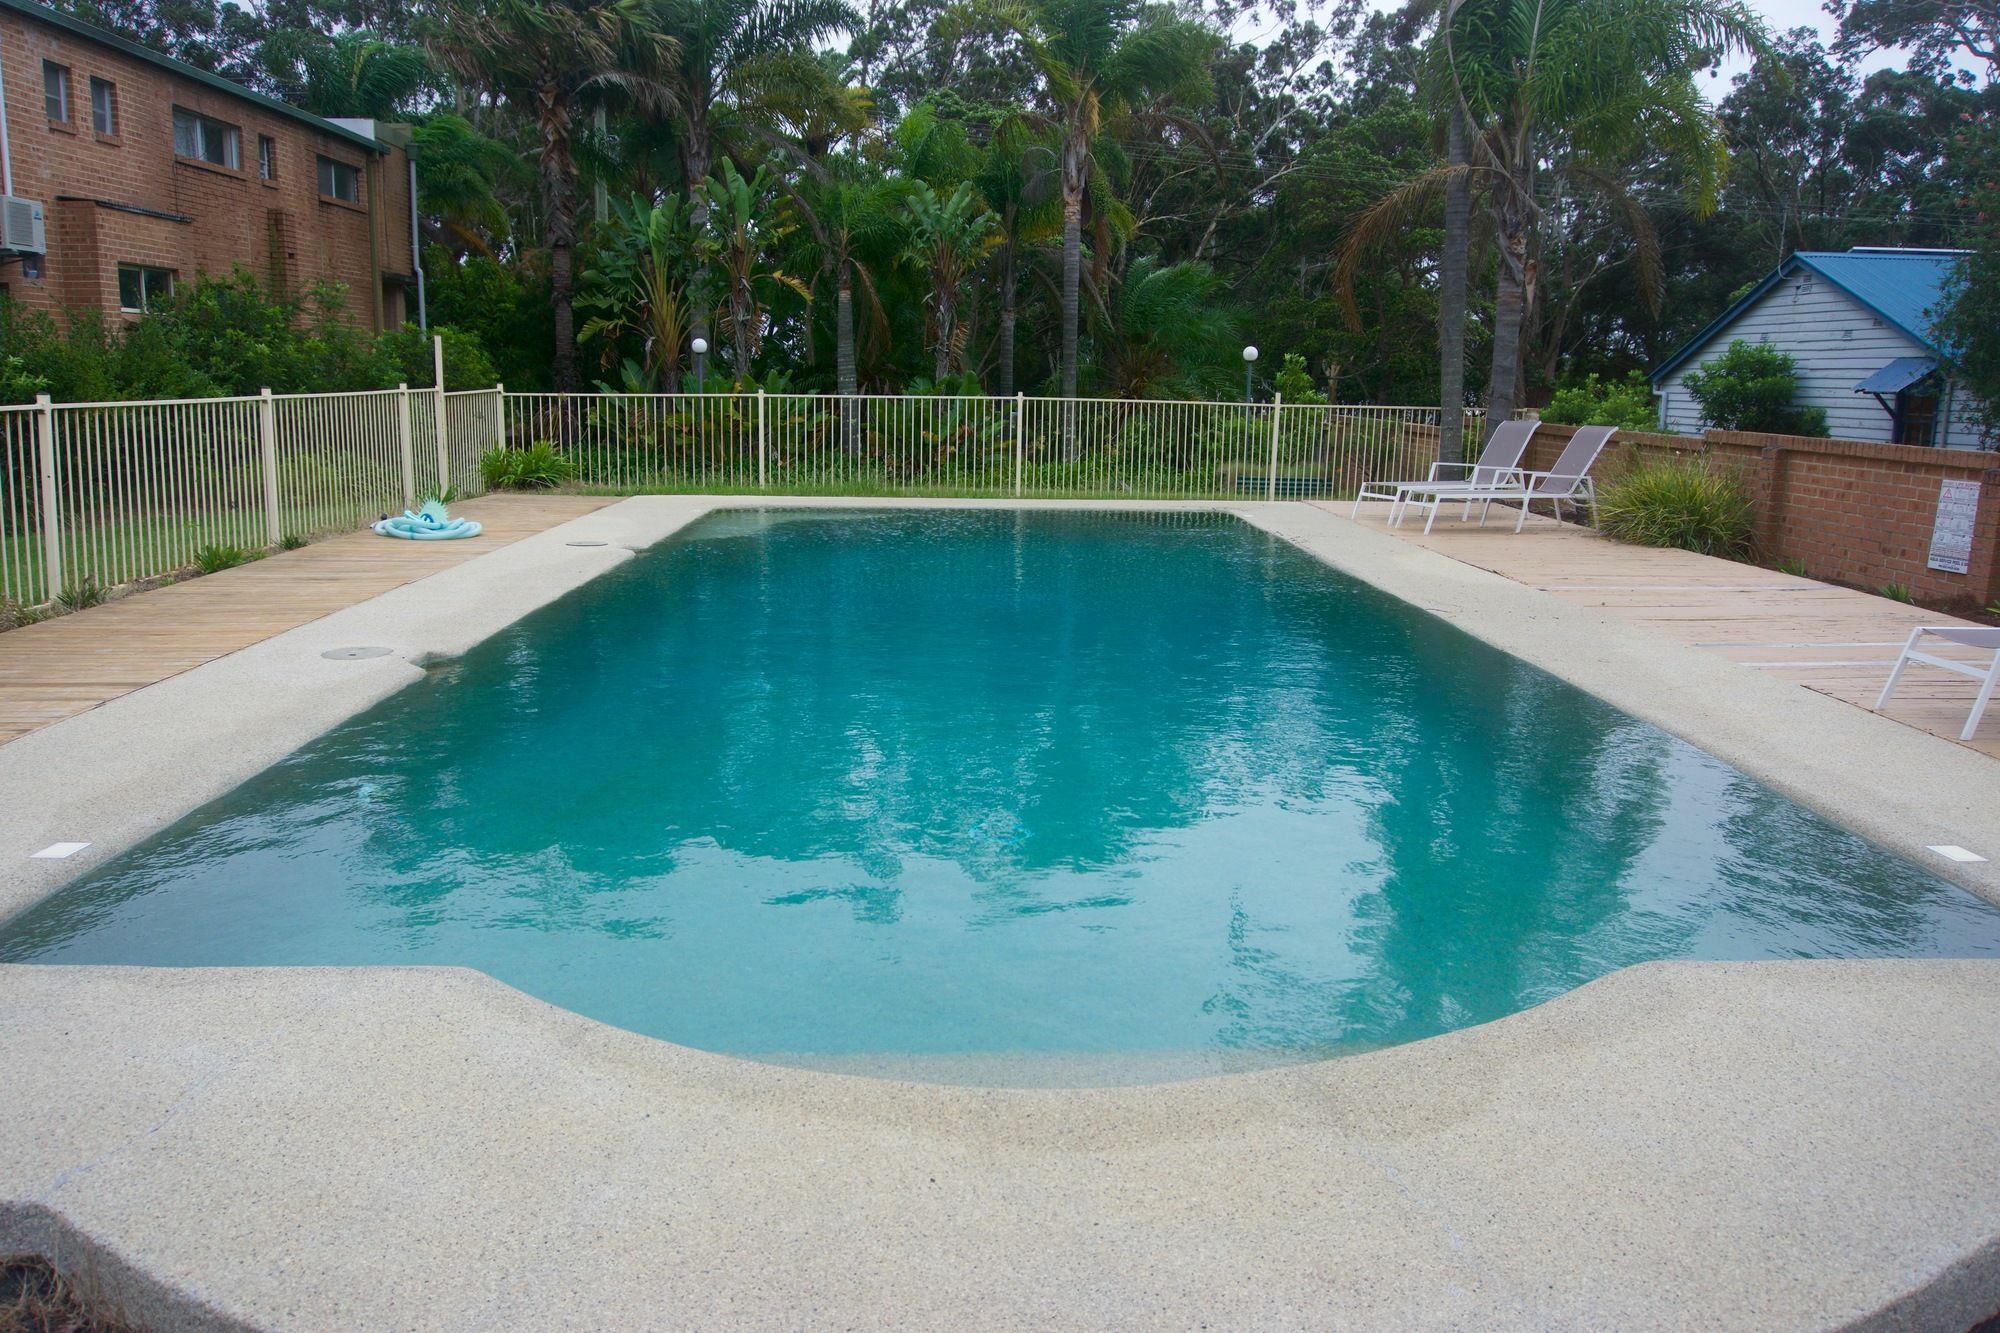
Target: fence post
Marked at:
1271, 479
500, 417
761, 447
408, 445
1020, 438
45, 464
437, 413
267, 446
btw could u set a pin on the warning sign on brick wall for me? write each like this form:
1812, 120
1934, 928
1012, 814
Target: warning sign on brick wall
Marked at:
1951, 532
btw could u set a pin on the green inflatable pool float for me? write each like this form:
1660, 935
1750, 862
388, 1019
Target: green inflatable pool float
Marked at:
429, 524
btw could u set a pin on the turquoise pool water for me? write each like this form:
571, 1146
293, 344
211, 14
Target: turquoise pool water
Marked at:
821, 784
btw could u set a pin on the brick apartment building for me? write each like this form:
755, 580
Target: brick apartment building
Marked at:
150, 172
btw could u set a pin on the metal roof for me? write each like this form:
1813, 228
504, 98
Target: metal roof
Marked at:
91, 32
1904, 287
1898, 375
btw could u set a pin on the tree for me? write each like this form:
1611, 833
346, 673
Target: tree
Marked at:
1104, 65
736, 63
1969, 322
1576, 88
637, 284
1453, 260
352, 73
460, 175
739, 239
1938, 33
1753, 386
1169, 334
541, 58
1573, 90
853, 221
947, 237
1017, 176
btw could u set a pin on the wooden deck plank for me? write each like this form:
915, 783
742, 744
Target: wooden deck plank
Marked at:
1835, 641
74, 663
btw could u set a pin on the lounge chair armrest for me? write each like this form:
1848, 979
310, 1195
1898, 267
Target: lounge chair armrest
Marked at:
1466, 468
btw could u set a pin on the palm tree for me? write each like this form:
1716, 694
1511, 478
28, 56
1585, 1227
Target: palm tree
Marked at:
739, 239
1452, 264
1017, 175
1105, 65
1574, 88
351, 73
947, 236
460, 173
853, 221
742, 67
541, 58
1169, 333
638, 284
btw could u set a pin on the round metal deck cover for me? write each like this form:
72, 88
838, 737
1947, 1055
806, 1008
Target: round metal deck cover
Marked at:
583, 543
348, 654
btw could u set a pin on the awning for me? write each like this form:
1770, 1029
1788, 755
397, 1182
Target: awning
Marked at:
1898, 375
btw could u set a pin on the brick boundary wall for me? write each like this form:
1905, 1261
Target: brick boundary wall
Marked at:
1850, 511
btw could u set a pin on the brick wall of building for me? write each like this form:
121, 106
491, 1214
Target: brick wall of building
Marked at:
126, 198
1850, 512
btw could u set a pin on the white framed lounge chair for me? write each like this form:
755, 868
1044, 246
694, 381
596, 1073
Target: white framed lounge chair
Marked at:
1966, 636
1497, 460
1568, 482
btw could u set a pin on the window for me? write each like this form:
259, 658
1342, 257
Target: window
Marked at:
55, 91
267, 158
139, 288
103, 106
206, 140
1916, 418
337, 180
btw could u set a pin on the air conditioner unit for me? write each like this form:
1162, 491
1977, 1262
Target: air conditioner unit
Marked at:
21, 228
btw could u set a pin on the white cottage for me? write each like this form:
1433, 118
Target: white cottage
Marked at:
1858, 323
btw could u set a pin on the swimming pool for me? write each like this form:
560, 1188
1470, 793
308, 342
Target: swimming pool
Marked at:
812, 785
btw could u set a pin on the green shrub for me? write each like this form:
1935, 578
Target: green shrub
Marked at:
1753, 386
291, 541
1795, 567
1295, 382
1681, 504
508, 303
466, 365
1626, 404
84, 593
213, 557
1897, 592
536, 468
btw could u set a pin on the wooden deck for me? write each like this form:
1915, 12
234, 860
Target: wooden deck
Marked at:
66, 666
1834, 640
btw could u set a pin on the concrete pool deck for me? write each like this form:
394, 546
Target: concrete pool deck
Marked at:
1703, 1145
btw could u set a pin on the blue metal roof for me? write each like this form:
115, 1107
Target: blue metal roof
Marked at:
1904, 287
1898, 375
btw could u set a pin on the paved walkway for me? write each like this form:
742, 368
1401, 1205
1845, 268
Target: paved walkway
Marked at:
1834, 640
69, 665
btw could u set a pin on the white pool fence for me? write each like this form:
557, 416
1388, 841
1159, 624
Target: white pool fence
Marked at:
114, 492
